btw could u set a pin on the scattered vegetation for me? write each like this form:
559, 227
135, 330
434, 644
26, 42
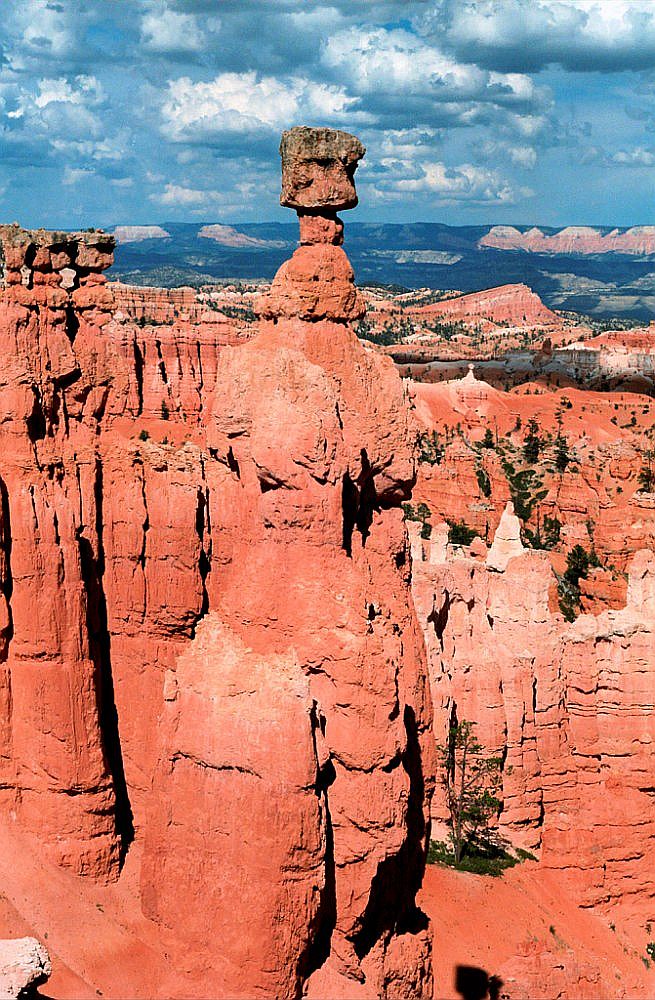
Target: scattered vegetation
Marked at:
546, 535
471, 779
420, 513
562, 454
525, 489
532, 444
431, 451
459, 533
448, 330
391, 333
578, 564
479, 860
647, 475
244, 313
484, 482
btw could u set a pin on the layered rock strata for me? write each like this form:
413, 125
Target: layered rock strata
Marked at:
210, 658
301, 708
568, 706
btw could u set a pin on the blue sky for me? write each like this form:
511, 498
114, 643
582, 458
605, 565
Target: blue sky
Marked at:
498, 111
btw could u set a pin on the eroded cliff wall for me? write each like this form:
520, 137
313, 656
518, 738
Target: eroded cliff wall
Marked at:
211, 664
567, 705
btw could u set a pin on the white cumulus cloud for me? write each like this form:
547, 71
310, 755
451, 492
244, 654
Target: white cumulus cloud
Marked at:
531, 34
448, 184
167, 31
243, 102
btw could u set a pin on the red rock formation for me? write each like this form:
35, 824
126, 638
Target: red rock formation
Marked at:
572, 240
56, 777
526, 931
514, 304
210, 655
299, 466
597, 500
567, 705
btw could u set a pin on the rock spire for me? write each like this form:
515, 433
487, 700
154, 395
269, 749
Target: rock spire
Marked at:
318, 168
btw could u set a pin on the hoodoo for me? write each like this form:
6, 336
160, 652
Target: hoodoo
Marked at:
288, 814
214, 689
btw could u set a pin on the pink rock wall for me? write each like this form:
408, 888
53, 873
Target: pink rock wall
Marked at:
568, 705
211, 661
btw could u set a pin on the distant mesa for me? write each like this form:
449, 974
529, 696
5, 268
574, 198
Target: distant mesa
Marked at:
572, 240
135, 234
228, 236
515, 304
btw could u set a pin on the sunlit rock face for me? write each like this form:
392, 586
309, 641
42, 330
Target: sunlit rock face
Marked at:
303, 697
213, 682
566, 705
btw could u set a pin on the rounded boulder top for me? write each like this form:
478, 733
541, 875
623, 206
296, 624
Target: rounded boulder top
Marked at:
318, 167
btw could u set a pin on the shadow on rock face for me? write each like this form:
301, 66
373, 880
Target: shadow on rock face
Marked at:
473, 983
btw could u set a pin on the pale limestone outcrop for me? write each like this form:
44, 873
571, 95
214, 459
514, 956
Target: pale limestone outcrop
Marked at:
507, 542
24, 964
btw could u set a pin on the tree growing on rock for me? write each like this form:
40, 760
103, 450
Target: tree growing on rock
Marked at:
647, 475
532, 443
471, 779
562, 454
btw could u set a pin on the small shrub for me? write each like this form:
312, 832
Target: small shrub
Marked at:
431, 451
421, 513
144, 436
484, 482
524, 855
459, 533
165, 412
532, 443
488, 439
578, 564
479, 860
552, 531
562, 454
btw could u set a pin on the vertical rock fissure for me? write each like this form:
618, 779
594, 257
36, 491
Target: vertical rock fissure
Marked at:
204, 559
318, 950
72, 323
138, 372
391, 902
349, 501
439, 618
200, 382
368, 498
36, 424
93, 568
8, 582
145, 527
